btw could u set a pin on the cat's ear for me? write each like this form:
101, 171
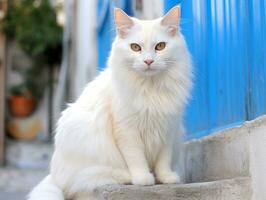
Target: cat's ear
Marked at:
171, 20
123, 22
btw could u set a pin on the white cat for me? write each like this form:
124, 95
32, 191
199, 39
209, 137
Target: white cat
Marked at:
123, 127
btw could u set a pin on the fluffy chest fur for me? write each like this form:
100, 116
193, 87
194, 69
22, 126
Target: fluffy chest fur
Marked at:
151, 108
154, 132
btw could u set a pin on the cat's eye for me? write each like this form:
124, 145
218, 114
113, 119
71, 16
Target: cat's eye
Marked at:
160, 46
135, 47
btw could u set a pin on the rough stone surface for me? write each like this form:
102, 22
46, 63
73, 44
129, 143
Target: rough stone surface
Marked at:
232, 189
224, 155
258, 162
221, 156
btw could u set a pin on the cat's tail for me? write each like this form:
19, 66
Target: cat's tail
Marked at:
46, 190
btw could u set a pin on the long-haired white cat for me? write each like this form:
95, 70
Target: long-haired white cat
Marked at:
124, 126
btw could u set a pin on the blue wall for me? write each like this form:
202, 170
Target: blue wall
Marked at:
227, 39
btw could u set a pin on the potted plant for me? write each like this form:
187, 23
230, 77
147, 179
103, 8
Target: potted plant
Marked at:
32, 24
24, 97
21, 102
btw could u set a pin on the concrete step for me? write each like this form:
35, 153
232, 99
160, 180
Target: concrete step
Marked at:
238, 148
231, 153
230, 189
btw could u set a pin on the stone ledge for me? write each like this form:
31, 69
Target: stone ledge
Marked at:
231, 189
227, 154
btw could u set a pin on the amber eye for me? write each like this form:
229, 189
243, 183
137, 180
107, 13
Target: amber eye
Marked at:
135, 47
160, 46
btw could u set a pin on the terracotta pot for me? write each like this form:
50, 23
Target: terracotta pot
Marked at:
24, 128
21, 106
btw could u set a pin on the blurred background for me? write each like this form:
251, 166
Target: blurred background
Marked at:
50, 49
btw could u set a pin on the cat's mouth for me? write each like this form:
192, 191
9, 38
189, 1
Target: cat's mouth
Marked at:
147, 71
150, 71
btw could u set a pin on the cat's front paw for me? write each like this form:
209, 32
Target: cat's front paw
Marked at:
143, 179
168, 177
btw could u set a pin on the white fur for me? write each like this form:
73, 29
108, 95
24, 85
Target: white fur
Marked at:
124, 126
47, 189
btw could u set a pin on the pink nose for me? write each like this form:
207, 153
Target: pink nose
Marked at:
149, 61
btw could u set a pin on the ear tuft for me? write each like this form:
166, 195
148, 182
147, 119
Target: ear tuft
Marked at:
123, 22
171, 20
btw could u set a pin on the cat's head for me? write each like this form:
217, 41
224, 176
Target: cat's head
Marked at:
147, 46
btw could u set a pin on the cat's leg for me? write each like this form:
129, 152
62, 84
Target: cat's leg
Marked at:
132, 149
162, 170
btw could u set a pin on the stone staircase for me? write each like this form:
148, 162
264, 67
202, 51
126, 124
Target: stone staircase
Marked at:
229, 165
